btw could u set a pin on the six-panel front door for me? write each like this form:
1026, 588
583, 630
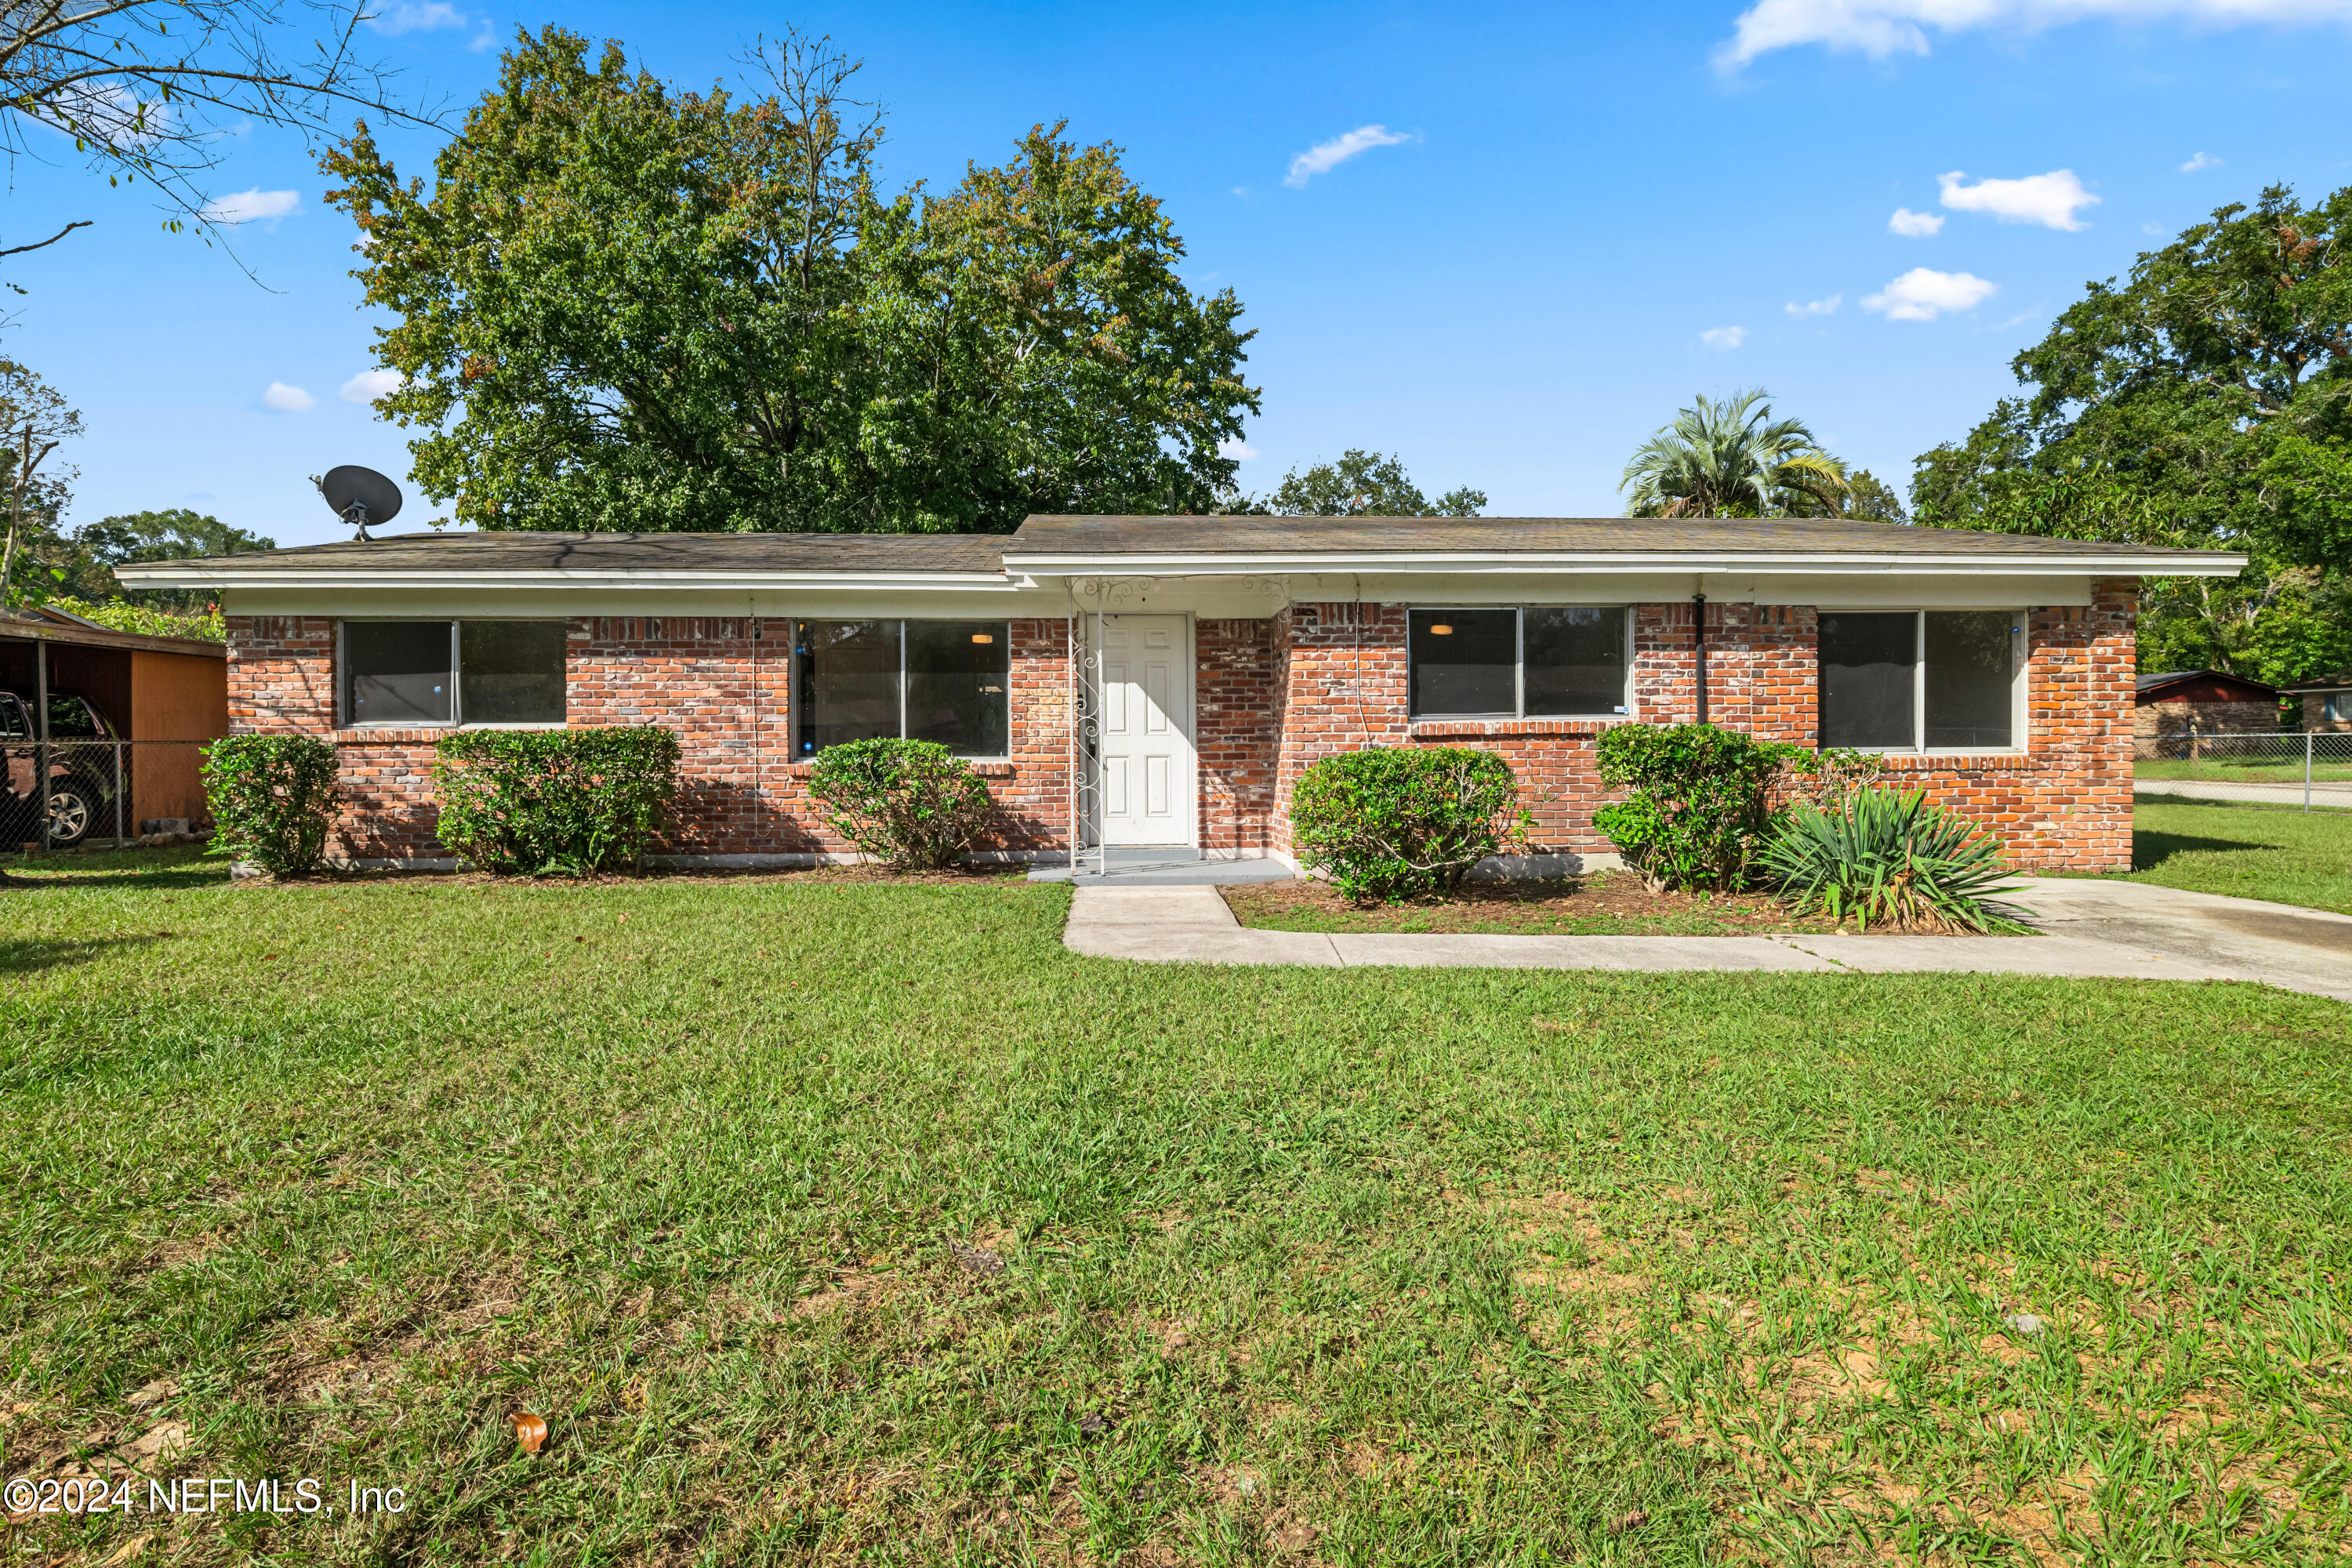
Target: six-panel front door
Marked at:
1148, 764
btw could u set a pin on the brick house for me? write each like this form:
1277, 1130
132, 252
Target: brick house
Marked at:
2327, 704
1164, 680
2173, 708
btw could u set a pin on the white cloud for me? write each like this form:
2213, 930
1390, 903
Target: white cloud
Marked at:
1325, 156
418, 16
1815, 307
1722, 338
371, 385
1882, 27
1239, 451
2048, 199
1923, 293
254, 205
2201, 160
287, 399
1915, 225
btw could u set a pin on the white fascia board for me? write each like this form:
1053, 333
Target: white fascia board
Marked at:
2210, 564
226, 575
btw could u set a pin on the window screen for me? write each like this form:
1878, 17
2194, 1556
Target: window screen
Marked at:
512, 672
1575, 661
1967, 678
1867, 667
956, 675
1464, 661
398, 672
929, 680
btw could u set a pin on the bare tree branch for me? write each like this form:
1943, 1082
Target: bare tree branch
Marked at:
20, 250
151, 87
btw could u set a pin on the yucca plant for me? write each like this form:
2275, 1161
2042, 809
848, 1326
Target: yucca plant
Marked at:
1894, 861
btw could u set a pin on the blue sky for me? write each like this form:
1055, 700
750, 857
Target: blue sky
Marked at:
1551, 225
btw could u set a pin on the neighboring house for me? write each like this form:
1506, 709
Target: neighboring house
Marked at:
88, 686
2171, 707
1993, 669
2327, 704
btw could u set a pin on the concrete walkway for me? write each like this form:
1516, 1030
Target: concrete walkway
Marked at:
2334, 795
2095, 930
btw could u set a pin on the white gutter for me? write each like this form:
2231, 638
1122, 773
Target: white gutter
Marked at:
1021, 572
225, 573
2197, 563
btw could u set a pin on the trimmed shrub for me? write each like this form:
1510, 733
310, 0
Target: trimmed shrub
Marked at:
272, 799
913, 805
1701, 800
1898, 860
554, 802
1392, 821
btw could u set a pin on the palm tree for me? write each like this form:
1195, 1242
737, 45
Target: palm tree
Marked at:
1732, 458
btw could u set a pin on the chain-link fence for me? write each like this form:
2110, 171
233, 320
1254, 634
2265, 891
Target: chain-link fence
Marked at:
2288, 765
97, 791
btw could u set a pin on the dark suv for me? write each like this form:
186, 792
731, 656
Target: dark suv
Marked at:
81, 768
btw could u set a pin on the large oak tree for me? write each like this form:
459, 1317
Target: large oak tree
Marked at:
623, 306
2204, 400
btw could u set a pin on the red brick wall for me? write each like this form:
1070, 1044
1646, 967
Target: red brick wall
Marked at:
2067, 802
281, 674
1342, 688
1235, 727
1272, 697
723, 688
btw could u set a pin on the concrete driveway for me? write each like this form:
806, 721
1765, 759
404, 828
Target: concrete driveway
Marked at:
2090, 928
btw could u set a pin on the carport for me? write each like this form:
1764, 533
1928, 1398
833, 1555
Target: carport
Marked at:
156, 698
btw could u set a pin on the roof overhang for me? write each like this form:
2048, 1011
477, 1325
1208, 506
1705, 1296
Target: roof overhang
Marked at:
226, 573
2205, 563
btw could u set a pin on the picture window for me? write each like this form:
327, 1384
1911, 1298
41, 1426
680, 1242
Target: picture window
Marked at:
430, 674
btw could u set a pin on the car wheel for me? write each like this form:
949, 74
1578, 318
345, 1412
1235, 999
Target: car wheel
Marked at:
72, 811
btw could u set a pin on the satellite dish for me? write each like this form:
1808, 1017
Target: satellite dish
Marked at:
361, 497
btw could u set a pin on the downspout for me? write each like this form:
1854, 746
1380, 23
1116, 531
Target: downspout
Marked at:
1698, 648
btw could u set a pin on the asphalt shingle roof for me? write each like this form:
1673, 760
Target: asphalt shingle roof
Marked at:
1236, 538
1696, 536
529, 552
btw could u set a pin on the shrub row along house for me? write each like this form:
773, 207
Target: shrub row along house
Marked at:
1164, 680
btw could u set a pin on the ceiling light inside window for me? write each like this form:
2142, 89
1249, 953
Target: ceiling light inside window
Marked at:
982, 637
1441, 631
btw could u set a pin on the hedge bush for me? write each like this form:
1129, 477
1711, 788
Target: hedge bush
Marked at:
913, 805
554, 802
1701, 800
1391, 822
1898, 860
272, 799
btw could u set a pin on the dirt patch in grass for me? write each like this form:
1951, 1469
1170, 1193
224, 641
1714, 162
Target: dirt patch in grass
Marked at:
1608, 904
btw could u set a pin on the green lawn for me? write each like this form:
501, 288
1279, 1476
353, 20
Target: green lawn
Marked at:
2278, 853
831, 1221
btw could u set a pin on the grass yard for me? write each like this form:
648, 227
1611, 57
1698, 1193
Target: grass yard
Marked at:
835, 1222
2281, 854
2325, 769
1608, 904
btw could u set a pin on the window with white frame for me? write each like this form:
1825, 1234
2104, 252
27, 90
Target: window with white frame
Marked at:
1548, 662
927, 680
1908, 680
426, 674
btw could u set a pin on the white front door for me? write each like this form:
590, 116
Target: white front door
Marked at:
1147, 781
